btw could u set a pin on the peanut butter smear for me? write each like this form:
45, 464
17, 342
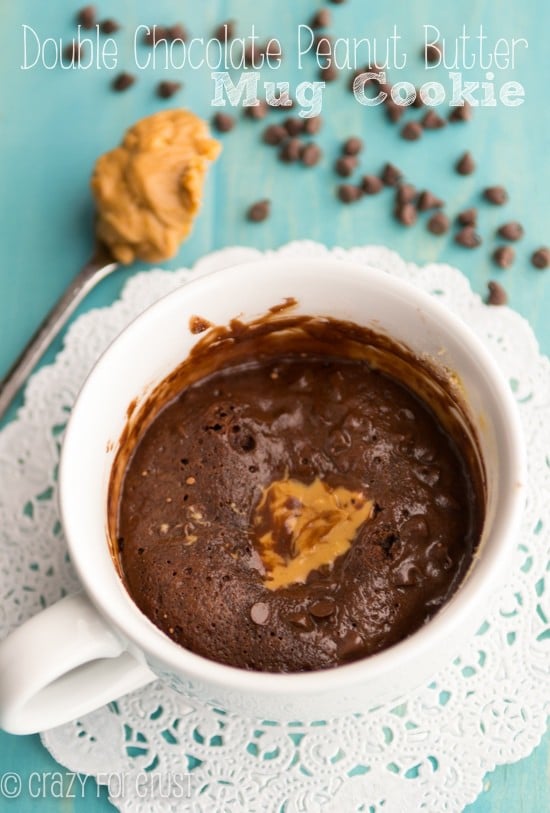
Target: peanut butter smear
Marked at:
307, 526
148, 190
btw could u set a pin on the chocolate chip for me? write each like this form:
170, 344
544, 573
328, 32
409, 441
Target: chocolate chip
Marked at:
406, 214
541, 258
432, 53
223, 122
461, 113
225, 31
293, 125
412, 131
157, 33
310, 155
323, 608
259, 211
167, 89
177, 32
348, 193
329, 73
391, 175
352, 146
497, 295
350, 647
497, 195
406, 193
438, 223
393, 111
73, 52
123, 81
86, 17
109, 26
290, 151
511, 231
504, 256
256, 111
345, 165
427, 200
465, 164
259, 613
467, 218
300, 620
468, 237
417, 101
321, 19
313, 125
431, 121
274, 134
337, 2
371, 185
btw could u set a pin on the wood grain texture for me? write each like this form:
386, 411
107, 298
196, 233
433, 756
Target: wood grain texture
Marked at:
54, 123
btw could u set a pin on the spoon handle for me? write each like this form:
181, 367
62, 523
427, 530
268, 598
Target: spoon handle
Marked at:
98, 267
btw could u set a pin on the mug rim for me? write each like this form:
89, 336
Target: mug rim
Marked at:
137, 628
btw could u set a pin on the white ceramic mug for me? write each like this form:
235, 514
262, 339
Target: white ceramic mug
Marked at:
95, 646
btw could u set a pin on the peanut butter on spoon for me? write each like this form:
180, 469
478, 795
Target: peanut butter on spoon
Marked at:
148, 190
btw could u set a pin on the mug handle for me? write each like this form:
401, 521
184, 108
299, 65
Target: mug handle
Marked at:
62, 664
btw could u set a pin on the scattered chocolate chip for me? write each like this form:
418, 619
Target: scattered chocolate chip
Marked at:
432, 121
259, 613
329, 73
109, 26
225, 31
406, 193
461, 113
348, 193
412, 131
321, 19
352, 146
86, 17
337, 2
300, 620
504, 256
467, 218
313, 125
511, 231
166, 89
427, 200
393, 111
438, 223
223, 122
177, 32
465, 164
291, 149
541, 258
417, 101
406, 214
345, 165
468, 237
323, 608
497, 195
293, 125
157, 33
391, 175
371, 185
350, 647
274, 134
497, 295
73, 52
123, 81
259, 211
272, 49
432, 53
310, 155
256, 111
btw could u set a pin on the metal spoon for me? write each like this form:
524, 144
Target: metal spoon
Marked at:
100, 265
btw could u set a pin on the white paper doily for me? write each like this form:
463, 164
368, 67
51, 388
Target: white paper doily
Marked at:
429, 753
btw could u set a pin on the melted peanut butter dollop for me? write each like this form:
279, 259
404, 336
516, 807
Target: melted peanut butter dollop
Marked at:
304, 527
148, 190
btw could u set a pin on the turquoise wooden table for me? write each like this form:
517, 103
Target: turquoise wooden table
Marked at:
54, 123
